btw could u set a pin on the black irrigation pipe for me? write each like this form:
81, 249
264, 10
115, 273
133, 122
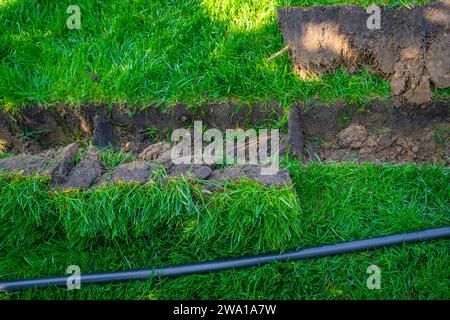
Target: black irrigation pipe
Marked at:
245, 262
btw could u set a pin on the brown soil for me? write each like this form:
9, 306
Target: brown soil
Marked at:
84, 174
54, 163
295, 133
34, 129
389, 131
58, 164
381, 133
136, 171
411, 50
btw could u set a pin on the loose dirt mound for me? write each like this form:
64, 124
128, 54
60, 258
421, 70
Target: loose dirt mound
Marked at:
410, 50
56, 164
89, 172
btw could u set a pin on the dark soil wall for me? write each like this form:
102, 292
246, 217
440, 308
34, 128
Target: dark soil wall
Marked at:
383, 131
21, 132
411, 49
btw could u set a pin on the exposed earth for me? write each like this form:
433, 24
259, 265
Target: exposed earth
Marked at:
382, 132
411, 49
90, 119
68, 172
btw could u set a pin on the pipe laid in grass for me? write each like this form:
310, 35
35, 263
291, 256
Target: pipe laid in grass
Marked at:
245, 262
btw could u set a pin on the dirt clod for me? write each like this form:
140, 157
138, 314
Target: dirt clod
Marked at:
55, 163
295, 133
251, 172
352, 137
26, 164
65, 163
154, 151
137, 171
83, 174
190, 171
436, 65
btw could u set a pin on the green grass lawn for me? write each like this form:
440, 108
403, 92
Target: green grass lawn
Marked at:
160, 52
192, 51
128, 226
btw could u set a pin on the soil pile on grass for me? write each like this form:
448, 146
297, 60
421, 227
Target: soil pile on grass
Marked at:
411, 49
68, 171
54, 163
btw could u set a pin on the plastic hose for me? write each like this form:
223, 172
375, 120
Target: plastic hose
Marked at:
243, 262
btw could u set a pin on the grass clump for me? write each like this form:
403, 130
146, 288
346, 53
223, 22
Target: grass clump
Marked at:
125, 212
113, 158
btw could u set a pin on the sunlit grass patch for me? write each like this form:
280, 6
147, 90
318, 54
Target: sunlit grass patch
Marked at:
159, 52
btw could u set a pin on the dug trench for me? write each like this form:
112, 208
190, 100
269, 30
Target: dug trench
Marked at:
52, 141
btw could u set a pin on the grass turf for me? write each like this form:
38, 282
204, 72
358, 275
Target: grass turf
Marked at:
160, 52
164, 52
128, 226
